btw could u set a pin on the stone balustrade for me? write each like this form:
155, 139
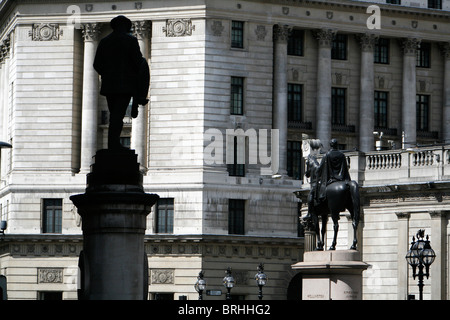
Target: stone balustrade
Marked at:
401, 166
425, 164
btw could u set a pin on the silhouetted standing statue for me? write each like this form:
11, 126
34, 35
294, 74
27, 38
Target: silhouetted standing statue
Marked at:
125, 75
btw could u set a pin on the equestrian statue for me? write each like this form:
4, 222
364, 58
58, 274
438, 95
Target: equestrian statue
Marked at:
332, 191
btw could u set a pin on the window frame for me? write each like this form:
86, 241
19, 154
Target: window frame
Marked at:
237, 96
237, 34
423, 112
236, 216
295, 102
52, 220
339, 48
381, 118
381, 53
164, 206
338, 105
296, 42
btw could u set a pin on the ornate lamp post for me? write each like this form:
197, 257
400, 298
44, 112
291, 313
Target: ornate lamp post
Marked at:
420, 255
261, 279
228, 282
200, 285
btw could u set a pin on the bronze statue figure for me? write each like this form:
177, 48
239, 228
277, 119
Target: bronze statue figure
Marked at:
125, 76
332, 191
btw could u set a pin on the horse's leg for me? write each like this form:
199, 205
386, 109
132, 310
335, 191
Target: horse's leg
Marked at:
324, 228
355, 211
335, 217
319, 244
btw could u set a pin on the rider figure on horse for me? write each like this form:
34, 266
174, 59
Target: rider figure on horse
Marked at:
333, 167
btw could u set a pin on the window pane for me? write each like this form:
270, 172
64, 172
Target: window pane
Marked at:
164, 215
338, 106
295, 43
381, 52
424, 55
422, 109
52, 216
294, 102
236, 216
380, 105
237, 95
294, 159
237, 34
339, 47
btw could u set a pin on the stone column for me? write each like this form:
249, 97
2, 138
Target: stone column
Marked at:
446, 98
366, 95
139, 125
89, 113
280, 107
438, 243
403, 247
323, 113
409, 123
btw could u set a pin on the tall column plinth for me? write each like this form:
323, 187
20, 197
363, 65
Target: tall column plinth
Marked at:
114, 208
331, 275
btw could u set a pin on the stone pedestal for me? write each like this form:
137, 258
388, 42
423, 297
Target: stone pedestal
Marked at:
331, 275
114, 208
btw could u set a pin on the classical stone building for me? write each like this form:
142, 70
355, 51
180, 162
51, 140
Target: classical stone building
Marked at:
228, 78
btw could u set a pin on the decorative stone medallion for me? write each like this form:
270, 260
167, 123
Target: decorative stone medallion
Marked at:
45, 32
178, 28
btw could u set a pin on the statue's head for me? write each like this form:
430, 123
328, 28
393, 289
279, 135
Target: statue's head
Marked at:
121, 24
333, 144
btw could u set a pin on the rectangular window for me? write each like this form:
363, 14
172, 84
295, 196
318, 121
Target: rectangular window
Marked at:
380, 108
339, 47
164, 215
424, 55
294, 102
338, 106
237, 34
236, 216
394, 1
237, 96
50, 295
435, 4
422, 111
237, 168
381, 51
295, 43
52, 216
294, 159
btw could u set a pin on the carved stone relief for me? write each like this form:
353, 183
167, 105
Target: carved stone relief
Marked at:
178, 28
162, 276
45, 32
50, 275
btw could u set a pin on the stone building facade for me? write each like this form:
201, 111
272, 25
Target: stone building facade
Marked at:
224, 73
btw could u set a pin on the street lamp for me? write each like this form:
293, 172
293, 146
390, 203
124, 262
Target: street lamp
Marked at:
420, 255
261, 279
228, 282
200, 285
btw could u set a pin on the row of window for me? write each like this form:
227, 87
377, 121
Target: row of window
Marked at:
339, 46
432, 4
164, 216
339, 49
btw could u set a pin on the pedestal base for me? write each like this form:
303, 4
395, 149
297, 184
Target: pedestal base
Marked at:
331, 275
114, 208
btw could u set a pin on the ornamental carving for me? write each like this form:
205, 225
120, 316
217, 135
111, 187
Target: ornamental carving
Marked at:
162, 276
50, 275
217, 28
410, 46
367, 41
260, 32
178, 28
91, 31
45, 32
141, 29
281, 33
325, 37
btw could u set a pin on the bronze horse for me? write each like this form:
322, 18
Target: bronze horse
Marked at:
340, 195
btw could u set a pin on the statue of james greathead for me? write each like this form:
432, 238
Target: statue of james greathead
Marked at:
125, 76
